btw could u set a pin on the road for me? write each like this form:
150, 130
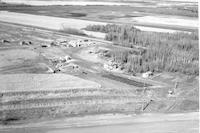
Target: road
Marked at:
155, 127
118, 123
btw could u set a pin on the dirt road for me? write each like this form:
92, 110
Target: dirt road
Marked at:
145, 123
155, 127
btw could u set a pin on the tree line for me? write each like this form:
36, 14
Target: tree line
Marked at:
172, 52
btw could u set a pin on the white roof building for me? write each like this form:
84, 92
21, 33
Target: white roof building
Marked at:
147, 74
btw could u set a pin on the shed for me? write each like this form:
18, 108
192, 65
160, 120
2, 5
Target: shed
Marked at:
147, 74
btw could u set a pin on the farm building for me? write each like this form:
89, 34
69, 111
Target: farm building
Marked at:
147, 74
79, 43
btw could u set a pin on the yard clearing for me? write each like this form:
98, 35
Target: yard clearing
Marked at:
15, 56
16, 60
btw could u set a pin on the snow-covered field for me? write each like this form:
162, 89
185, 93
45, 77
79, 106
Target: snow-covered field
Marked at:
95, 34
168, 20
60, 2
57, 23
169, 4
48, 22
152, 29
110, 3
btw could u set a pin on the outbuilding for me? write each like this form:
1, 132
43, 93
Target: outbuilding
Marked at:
147, 74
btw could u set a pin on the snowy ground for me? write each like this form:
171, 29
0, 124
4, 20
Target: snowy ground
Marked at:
57, 23
152, 29
95, 34
108, 3
168, 20
59, 2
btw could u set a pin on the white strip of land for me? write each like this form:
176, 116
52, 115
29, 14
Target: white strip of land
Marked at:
168, 21
60, 2
57, 23
48, 22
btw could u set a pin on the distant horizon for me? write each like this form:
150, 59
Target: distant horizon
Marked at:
103, 0
137, 3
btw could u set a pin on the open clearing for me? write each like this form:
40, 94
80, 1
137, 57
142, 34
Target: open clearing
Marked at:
13, 57
168, 20
152, 29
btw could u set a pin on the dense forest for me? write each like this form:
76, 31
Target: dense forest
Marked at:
177, 52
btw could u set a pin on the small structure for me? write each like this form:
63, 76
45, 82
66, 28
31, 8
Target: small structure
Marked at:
5, 41
83, 72
25, 43
75, 43
57, 60
170, 92
112, 65
54, 43
173, 92
61, 60
73, 66
67, 57
64, 43
44, 45
147, 74
80, 43
50, 70
56, 70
